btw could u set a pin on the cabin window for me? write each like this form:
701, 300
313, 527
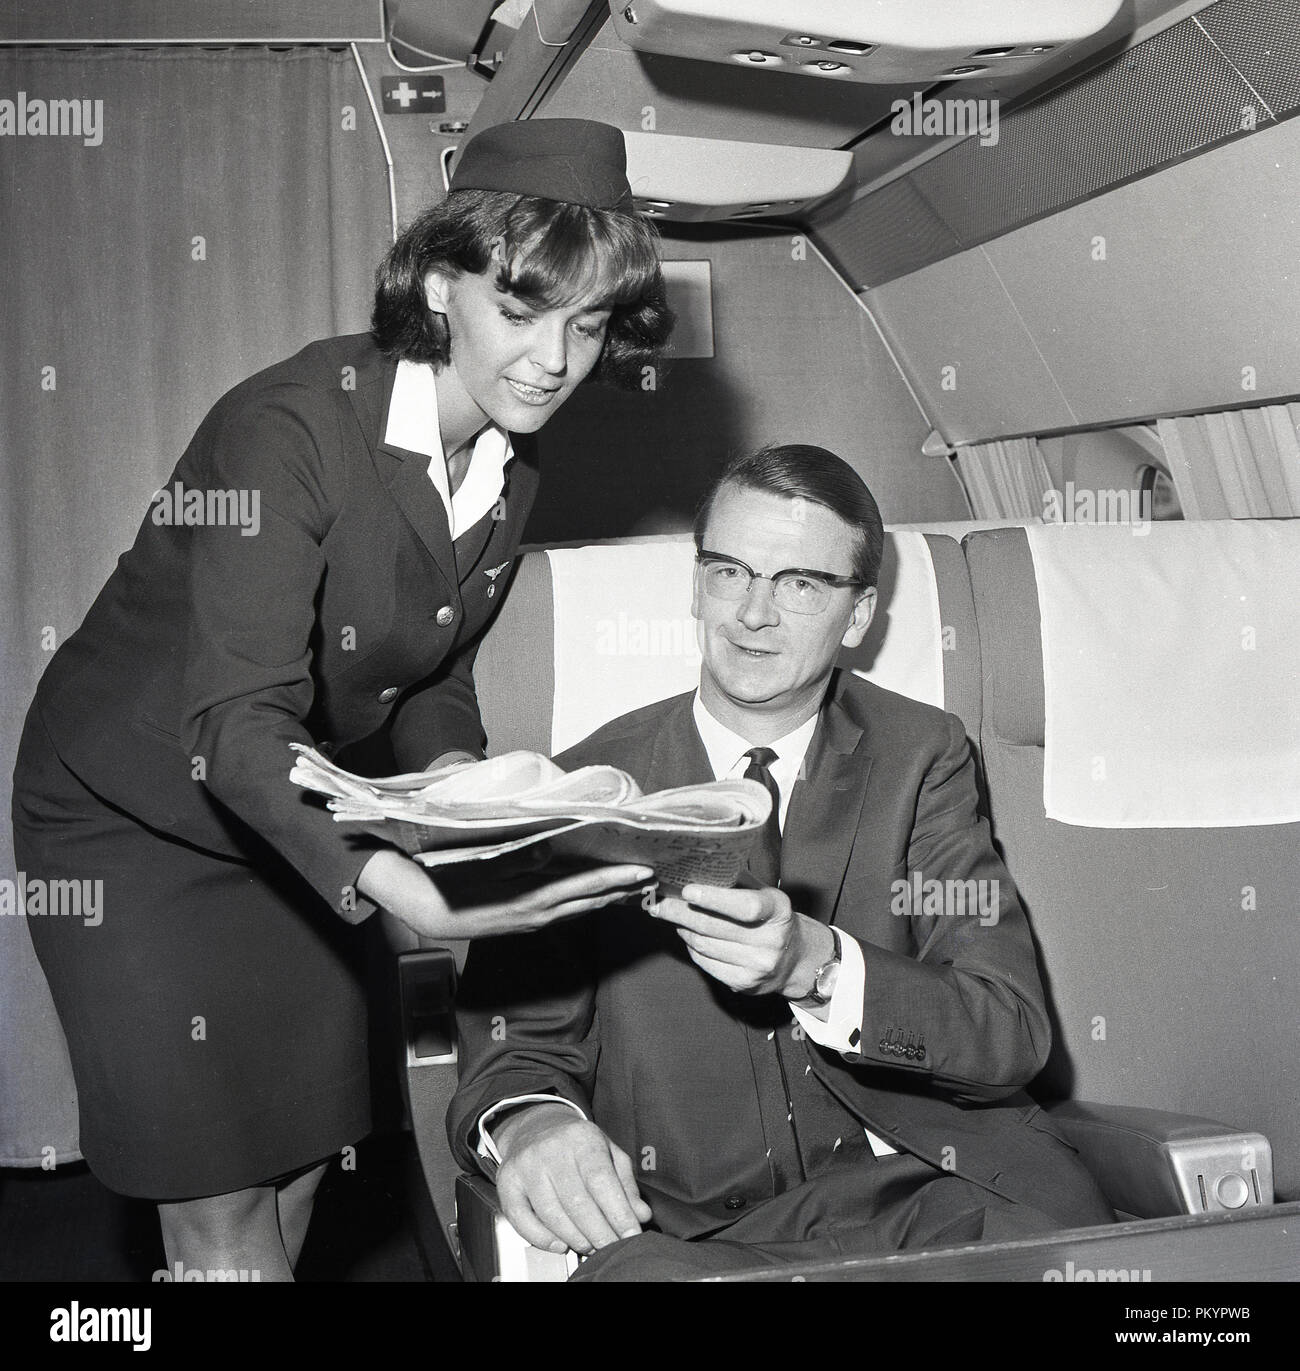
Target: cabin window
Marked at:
1109, 476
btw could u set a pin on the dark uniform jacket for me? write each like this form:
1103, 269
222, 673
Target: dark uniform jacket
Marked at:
210, 650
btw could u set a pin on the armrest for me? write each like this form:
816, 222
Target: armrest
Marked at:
480, 1237
1151, 1163
426, 984
491, 1249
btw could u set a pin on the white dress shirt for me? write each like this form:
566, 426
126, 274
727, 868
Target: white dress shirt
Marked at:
413, 425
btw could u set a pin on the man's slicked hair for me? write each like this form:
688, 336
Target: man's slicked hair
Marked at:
799, 471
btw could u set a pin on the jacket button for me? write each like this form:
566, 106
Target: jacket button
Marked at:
445, 615
388, 695
734, 1202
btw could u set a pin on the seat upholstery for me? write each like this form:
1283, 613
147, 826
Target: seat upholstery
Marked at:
516, 668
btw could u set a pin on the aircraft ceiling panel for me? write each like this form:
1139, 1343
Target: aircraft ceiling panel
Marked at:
883, 154
654, 93
1180, 284
893, 232
1263, 41
1170, 97
708, 100
1153, 105
967, 352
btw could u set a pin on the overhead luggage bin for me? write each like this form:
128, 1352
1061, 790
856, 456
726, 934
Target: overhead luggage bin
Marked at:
889, 42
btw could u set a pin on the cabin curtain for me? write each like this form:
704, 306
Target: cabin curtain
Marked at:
1240, 465
171, 220
1005, 480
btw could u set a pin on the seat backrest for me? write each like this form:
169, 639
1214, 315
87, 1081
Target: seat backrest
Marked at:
588, 633
1141, 743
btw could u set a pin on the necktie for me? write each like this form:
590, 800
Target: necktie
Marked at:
765, 855
766, 1017
805, 1128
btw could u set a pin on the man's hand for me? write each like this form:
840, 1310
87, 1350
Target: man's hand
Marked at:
750, 940
563, 1183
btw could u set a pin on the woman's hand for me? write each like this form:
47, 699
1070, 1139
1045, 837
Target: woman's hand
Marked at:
405, 889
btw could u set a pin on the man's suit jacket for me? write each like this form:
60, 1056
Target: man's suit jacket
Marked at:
208, 652
609, 1012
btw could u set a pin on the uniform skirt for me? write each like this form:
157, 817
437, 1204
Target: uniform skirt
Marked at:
215, 1009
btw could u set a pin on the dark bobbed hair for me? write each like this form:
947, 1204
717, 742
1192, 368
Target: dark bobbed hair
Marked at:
554, 253
799, 471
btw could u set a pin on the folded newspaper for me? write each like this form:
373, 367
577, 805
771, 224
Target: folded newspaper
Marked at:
473, 811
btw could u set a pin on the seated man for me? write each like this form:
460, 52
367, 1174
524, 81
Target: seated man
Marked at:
820, 1067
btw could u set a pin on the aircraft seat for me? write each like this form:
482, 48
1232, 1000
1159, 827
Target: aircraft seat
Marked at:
586, 632
1140, 750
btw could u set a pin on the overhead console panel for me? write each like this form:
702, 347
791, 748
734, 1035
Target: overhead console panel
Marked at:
884, 42
695, 179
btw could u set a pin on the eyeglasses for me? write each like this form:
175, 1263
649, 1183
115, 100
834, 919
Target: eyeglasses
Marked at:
797, 589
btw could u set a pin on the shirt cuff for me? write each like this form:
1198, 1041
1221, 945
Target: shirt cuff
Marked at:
487, 1149
841, 1030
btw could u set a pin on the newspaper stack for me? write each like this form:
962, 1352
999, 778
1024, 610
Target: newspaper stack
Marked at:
473, 811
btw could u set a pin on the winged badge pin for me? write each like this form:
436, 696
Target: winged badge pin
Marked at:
492, 573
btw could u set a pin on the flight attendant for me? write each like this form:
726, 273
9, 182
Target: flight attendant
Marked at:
318, 570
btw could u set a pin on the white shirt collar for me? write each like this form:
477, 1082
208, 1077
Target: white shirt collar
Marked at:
727, 751
413, 425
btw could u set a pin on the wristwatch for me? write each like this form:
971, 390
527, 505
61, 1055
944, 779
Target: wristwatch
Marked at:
822, 987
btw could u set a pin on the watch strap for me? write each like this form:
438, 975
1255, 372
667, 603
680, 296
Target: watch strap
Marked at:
817, 996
